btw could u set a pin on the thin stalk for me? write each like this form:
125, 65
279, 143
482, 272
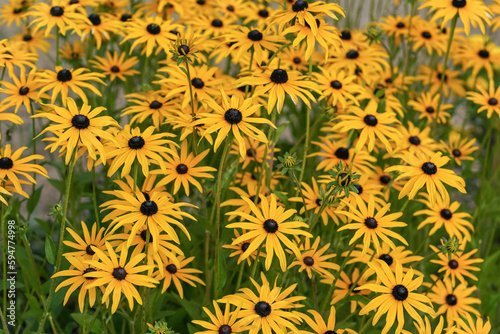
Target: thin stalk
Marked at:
249, 70
227, 145
58, 61
4, 251
306, 145
4, 323
407, 51
61, 244
240, 276
94, 199
193, 114
315, 293
445, 67
94, 318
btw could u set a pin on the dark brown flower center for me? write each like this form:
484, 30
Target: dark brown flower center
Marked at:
244, 246
115, 69
451, 300
371, 223
24, 90
125, 17
414, 140
64, 75
6, 163
453, 264
263, 13
197, 83
400, 292
279, 76
385, 179
263, 309
426, 35
386, 258
217, 23
95, 19
456, 153
171, 268
345, 35
225, 329
155, 105
297, 60
446, 214
342, 153
233, 116
119, 273
359, 188
181, 169
335, 84
136, 142
270, 225
153, 29
89, 270
400, 25
429, 168
149, 208
308, 261
230, 8
183, 50
89, 250
484, 54
300, 5
144, 236
352, 54
459, 3
429, 110
255, 35
344, 179
492, 101
27, 37
80, 122
57, 11
370, 120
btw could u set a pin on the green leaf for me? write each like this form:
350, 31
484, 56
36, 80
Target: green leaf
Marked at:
50, 250
279, 130
79, 318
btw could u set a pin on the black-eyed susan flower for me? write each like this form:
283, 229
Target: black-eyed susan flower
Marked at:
12, 165
260, 39
337, 86
76, 279
278, 82
59, 13
372, 223
470, 12
223, 322
460, 148
425, 34
443, 213
120, 275
427, 105
433, 76
23, 90
114, 66
150, 32
269, 225
269, 308
305, 12
84, 248
319, 326
361, 60
471, 327
241, 247
415, 140
457, 265
314, 259
79, 126
178, 272
420, 170
15, 55
182, 169
478, 53
150, 105
72, 51
255, 151
488, 100
12, 12
233, 115
395, 26
63, 79
33, 40
250, 193
145, 147
398, 295
312, 201
349, 286
327, 36
454, 301
371, 124
426, 327
156, 212
100, 27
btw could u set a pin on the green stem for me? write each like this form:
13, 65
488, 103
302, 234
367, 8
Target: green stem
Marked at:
94, 199
240, 275
4, 323
61, 244
58, 61
227, 145
445, 67
306, 145
193, 114
94, 318
250, 70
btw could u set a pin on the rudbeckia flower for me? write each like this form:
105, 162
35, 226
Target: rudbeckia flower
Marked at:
471, 327
488, 100
79, 127
33, 41
241, 247
114, 66
457, 265
337, 86
59, 13
398, 294
427, 104
233, 116
12, 165
415, 140
443, 213
269, 308
151, 105
259, 38
460, 149
176, 271
432, 77
101, 26
314, 259
84, 248
77, 279
277, 83
270, 225
120, 275
223, 322
142, 146
478, 54
22, 91
455, 301
372, 124
182, 169
63, 79
426, 170
373, 223
470, 12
